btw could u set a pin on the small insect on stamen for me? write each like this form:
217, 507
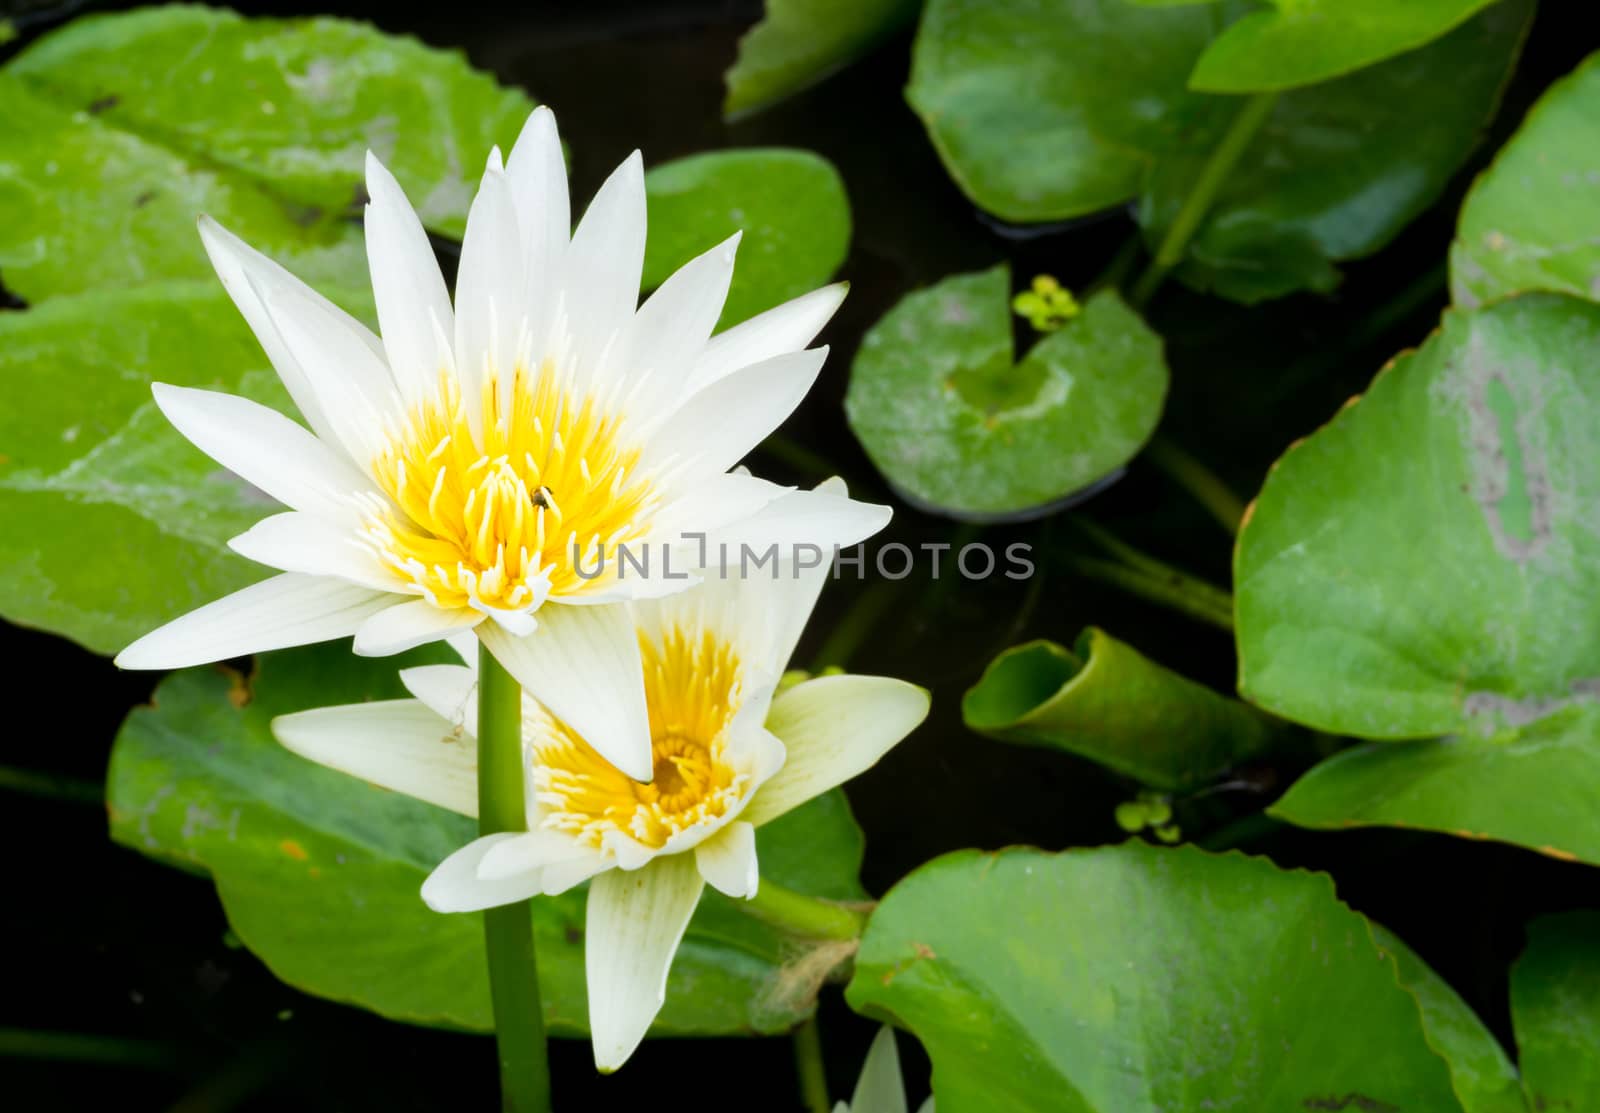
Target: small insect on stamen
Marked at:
542, 499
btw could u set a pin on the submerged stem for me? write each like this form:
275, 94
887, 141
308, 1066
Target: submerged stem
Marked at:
803, 916
508, 930
1200, 481
1141, 574
808, 1065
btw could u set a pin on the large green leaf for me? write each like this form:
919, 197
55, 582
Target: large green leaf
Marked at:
1106, 701
1132, 979
1048, 110
1555, 1009
197, 780
955, 424
791, 205
1303, 42
121, 128
1427, 565
1532, 220
800, 42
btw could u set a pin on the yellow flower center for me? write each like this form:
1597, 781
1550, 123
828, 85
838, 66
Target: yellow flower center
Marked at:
692, 683
500, 520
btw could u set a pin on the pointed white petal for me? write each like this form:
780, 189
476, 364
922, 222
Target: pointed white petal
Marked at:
671, 328
406, 284
719, 425
635, 921
558, 877
785, 328
397, 744
710, 505
833, 728
265, 448
538, 176
291, 609
530, 850
880, 1088
583, 664
727, 860
454, 885
606, 260
407, 625
489, 292
449, 691
821, 518
301, 542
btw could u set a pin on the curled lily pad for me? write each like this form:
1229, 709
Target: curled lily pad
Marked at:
955, 423
1531, 220
1106, 701
1555, 1010
1423, 570
800, 42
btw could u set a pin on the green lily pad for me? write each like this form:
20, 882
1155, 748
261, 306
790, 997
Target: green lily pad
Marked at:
1048, 111
1106, 701
1426, 565
791, 205
1132, 979
122, 128
197, 781
1531, 220
800, 42
1555, 1010
1303, 42
954, 424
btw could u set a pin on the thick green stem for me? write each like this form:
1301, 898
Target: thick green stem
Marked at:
1202, 483
808, 1065
1251, 116
508, 930
1141, 574
76, 1047
805, 917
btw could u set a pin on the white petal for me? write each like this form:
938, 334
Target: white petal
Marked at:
449, 691
301, 542
538, 176
291, 609
635, 921
583, 664
396, 744
719, 425
406, 285
407, 625
530, 850
833, 728
606, 260
265, 448
671, 328
927, 1106
711, 504
454, 885
822, 519
249, 277
880, 1088
558, 877
489, 293
727, 860
785, 328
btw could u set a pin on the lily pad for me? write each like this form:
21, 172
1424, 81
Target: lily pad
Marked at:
197, 780
791, 205
955, 425
1532, 220
800, 42
1132, 979
122, 128
1106, 701
1555, 1010
1425, 566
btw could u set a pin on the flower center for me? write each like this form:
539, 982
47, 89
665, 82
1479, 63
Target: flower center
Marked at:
692, 687
499, 521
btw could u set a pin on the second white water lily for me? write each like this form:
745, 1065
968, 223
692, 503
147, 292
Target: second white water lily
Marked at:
727, 757
470, 469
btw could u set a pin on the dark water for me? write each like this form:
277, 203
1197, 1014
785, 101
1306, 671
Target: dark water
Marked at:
97, 939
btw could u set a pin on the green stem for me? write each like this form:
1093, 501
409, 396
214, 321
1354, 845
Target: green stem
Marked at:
1251, 116
803, 916
1242, 831
1204, 593
508, 930
1184, 594
75, 1047
51, 786
1200, 481
809, 1066
852, 629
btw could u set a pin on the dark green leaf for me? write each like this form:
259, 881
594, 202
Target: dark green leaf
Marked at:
800, 42
1530, 221
197, 780
1555, 1009
1427, 565
1132, 979
955, 424
1106, 701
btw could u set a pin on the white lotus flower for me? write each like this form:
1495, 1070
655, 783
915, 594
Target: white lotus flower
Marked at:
880, 1089
727, 757
464, 471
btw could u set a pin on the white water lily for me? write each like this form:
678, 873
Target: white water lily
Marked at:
465, 470
727, 757
880, 1088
